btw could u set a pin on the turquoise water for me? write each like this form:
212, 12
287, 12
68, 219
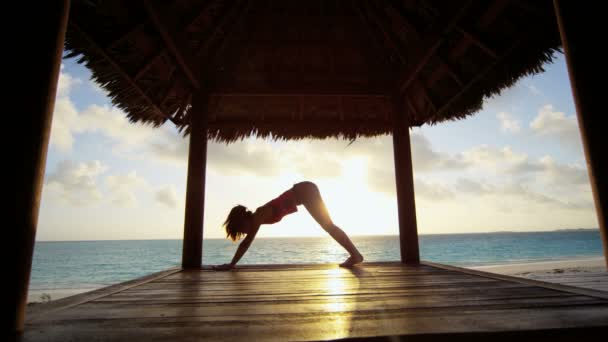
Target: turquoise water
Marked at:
93, 264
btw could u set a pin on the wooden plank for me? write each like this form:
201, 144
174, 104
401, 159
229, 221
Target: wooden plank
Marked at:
322, 326
321, 302
558, 287
61, 304
211, 312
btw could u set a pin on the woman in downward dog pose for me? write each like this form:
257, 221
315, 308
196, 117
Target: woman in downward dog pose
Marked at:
241, 221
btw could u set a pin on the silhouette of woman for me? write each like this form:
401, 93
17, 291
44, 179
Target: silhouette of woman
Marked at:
241, 221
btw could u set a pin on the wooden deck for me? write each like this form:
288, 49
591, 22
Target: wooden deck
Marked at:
321, 302
588, 280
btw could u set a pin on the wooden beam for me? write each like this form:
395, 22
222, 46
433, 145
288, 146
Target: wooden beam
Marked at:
453, 75
428, 99
264, 94
148, 65
577, 22
204, 48
117, 68
404, 177
475, 38
489, 16
195, 192
328, 87
385, 34
174, 41
198, 16
479, 76
435, 39
372, 38
405, 23
413, 111
291, 124
47, 30
115, 42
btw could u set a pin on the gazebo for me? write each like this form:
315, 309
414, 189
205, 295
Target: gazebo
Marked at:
226, 70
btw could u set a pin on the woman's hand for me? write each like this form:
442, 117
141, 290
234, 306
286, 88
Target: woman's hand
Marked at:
224, 267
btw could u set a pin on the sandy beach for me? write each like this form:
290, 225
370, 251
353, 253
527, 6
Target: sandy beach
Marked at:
40, 296
532, 269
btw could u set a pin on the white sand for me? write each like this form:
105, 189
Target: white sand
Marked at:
532, 269
36, 296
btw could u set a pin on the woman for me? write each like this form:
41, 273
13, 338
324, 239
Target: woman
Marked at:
241, 221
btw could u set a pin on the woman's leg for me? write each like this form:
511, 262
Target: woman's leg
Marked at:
310, 197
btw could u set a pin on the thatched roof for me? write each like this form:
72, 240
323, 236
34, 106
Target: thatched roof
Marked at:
309, 68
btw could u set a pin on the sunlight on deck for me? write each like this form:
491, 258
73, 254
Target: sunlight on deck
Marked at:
339, 283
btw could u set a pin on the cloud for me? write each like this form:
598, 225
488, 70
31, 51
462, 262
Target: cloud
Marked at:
65, 116
109, 121
65, 124
508, 123
425, 158
534, 90
65, 83
244, 157
76, 183
432, 191
526, 195
382, 179
167, 196
561, 174
122, 188
494, 159
171, 148
468, 186
556, 124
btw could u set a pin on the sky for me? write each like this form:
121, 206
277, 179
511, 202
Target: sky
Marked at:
516, 165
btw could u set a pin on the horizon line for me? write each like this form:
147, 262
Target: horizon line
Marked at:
359, 235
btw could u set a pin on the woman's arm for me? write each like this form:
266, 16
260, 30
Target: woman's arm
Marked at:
243, 247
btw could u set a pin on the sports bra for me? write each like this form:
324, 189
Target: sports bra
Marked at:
283, 205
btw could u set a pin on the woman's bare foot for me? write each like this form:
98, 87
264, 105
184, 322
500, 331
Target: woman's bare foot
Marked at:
352, 260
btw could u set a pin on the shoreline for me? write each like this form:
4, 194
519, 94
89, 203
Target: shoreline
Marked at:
35, 296
522, 269
546, 267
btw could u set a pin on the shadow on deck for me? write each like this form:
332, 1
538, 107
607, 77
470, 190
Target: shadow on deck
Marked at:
387, 301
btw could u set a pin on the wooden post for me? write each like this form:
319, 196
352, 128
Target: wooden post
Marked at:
44, 43
404, 176
195, 192
578, 24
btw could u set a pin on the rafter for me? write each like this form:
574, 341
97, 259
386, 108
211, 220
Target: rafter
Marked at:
297, 125
405, 23
385, 34
199, 15
204, 48
124, 36
475, 38
228, 35
174, 42
478, 77
118, 69
148, 65
491, 13
436, 39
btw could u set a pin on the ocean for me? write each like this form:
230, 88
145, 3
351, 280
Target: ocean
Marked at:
79, 265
